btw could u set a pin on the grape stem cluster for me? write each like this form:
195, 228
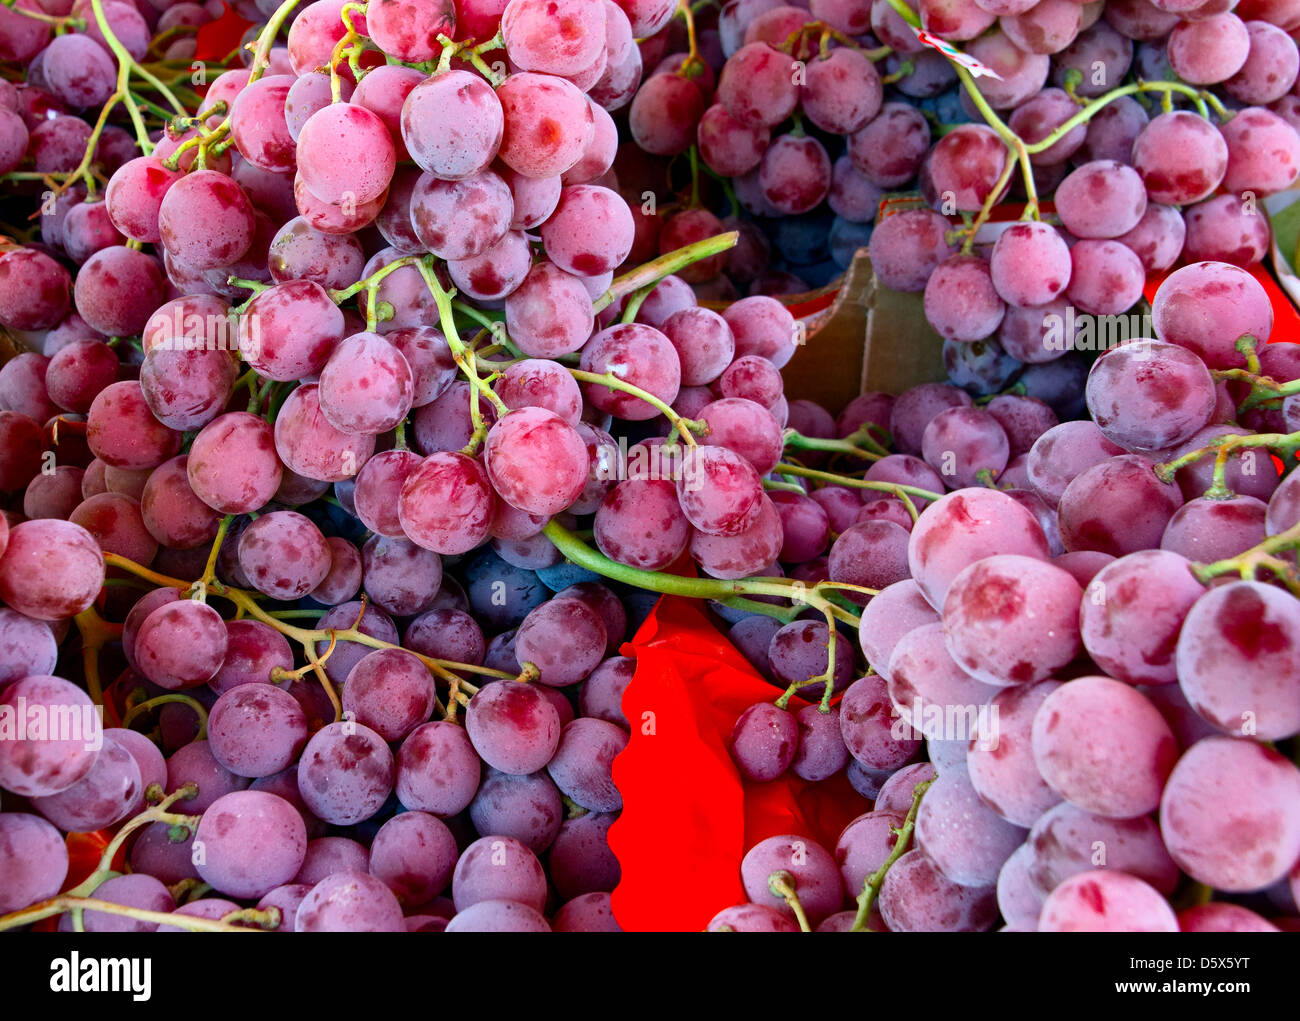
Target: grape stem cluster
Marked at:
78, 899
1019, 151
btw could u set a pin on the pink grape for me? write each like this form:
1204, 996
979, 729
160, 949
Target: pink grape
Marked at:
547, 124
51, 569
889, 148
990, 635
1117, 764
1235, 660
1181, 158
1220, 785
1106, 901
1030, 264
1210, 51
1117, 506
284, 555
961, 836
309, 445
366, 386
964, 527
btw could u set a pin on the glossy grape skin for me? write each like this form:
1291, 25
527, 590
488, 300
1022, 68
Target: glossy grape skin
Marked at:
301, 252
253, 842
51, 569
1116, 763
664, 114
34, 862
751, 918
1150, 396
1235, 660
437, 769
588, 912
349, 902
1091, 500
195, 763
232, 465
763, 742
961, 836
756, 86
872, 554
966, 526
642, 356
445, 503
512, 727
205, 220
308, 444
1106, 901
1158, 237
1062, 453
1064, 839
536, 461
915, 897
1208, 530
798, 653
991, 630
1018, 902
961, 302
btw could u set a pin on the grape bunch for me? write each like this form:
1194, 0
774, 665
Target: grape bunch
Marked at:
1083, 634
1156, 130
362, 405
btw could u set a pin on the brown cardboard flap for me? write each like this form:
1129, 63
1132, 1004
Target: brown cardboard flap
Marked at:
902, 348
869, 338
827, 366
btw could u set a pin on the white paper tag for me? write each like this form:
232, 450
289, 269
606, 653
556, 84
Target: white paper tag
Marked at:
972, 65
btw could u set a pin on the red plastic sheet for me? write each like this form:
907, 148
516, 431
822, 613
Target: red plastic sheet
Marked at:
217, 39
688, 817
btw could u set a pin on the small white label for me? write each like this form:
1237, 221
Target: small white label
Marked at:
972, 65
